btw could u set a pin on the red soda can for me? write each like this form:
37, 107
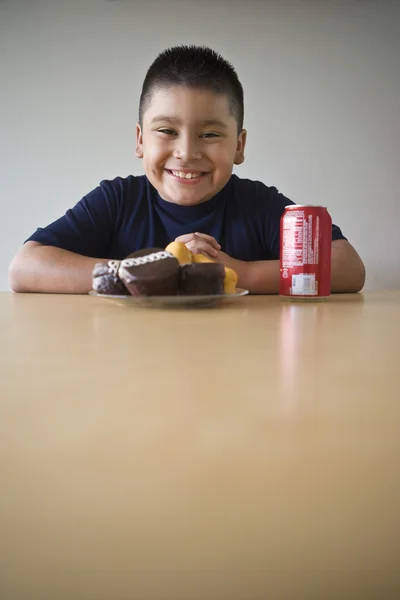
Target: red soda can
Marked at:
305, 253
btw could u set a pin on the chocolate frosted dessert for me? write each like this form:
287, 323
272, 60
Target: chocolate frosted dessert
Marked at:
150, 272
105, 279
202, 279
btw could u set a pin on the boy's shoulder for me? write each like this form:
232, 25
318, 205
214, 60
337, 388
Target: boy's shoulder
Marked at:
251, 191
124, 185
242, 184
124, 193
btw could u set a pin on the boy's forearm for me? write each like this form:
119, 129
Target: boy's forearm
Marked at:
46, 269
348, 271
259, 277
262, 277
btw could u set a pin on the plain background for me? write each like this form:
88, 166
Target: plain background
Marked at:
322, 105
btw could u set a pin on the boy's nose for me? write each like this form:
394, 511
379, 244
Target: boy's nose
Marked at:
187, 150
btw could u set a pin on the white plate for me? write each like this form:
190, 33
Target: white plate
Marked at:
161, 301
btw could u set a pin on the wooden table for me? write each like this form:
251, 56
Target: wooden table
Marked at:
246, 452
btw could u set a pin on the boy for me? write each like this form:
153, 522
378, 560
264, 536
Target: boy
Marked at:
189, 135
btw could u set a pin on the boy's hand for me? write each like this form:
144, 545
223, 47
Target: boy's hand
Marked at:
200, 243
239, 266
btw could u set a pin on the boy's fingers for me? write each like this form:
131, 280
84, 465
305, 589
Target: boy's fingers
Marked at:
188, 237
200, 246
211, 240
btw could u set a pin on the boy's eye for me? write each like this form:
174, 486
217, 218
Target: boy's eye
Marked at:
167, 131
210, 134
172, 132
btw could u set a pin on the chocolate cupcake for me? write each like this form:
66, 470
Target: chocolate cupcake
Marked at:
201, 279
105, 279
150, 272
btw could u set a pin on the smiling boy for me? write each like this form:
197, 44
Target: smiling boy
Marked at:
189, 135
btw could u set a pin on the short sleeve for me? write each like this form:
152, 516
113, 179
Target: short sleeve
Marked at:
85, 229
275, 208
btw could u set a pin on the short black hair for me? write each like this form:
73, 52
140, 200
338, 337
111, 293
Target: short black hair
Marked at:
194, 67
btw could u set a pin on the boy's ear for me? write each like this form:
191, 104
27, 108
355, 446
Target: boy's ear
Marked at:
139, 141
241, 143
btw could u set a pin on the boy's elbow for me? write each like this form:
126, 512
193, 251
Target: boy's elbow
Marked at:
20, 271
361, 277
348, 270
15, 276
357, 273
354, 285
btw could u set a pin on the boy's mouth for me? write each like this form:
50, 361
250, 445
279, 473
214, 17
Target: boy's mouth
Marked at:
186, 176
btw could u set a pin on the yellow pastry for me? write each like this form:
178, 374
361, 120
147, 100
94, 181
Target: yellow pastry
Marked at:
183, 255
200, 258
230, 281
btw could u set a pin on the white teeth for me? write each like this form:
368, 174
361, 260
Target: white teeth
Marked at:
183, 175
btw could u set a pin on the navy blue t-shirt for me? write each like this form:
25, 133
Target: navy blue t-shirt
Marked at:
125, 215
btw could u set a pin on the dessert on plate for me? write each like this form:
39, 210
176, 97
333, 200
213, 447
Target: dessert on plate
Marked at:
105, 279
201, 279
164, 272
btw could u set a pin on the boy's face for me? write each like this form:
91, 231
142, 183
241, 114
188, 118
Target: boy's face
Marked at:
189, 144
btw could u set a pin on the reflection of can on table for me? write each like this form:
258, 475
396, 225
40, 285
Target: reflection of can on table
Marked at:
305, 253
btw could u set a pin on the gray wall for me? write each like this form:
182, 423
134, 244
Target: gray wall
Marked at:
322, 92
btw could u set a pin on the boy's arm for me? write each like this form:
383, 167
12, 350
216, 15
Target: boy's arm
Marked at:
55, 259
47, 269
348, 270
262, 277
